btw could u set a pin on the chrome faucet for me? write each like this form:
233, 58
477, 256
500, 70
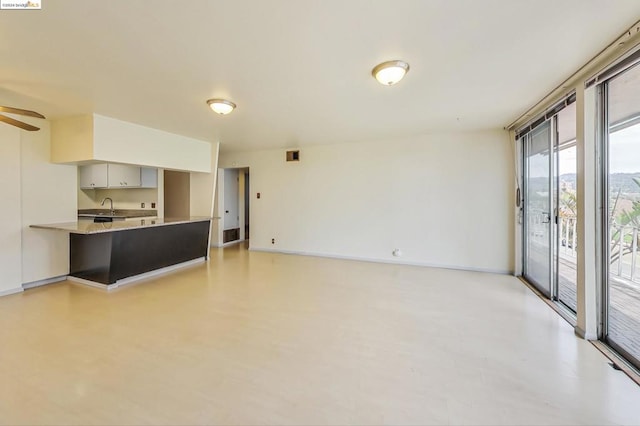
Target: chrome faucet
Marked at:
105, 199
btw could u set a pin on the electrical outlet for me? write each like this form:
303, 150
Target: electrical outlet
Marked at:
142, 205
273, 241
153, 205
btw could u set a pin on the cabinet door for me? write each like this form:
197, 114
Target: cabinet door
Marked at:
149, 177
123, 176
93, 176
99, 173
86, 177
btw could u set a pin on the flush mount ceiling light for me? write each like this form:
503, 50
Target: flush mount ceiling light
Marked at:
390, 72
221, 106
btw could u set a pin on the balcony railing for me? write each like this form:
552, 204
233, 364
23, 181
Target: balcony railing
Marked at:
567, 232
624, 247
539, 231
624, 252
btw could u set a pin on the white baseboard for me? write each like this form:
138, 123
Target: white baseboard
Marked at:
140, 277
39, 283
387, 261
11, 291
230, 243
91, 283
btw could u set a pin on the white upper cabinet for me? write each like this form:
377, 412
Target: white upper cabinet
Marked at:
123, 176
148, 177
93, 176
117, 176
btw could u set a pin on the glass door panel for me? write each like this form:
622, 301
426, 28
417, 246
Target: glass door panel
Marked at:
623, 193
538, 208
566, 228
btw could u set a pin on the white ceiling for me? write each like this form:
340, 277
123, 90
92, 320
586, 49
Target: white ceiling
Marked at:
299, 70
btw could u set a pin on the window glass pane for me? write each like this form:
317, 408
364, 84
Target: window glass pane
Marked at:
537, 209
624, 211
567, 204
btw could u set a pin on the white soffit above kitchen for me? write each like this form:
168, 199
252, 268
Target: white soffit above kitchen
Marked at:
299, 71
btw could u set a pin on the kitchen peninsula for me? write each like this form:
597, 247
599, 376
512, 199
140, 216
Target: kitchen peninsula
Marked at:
106, 254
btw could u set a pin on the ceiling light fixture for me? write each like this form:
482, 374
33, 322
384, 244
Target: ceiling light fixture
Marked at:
390, 72
221, 106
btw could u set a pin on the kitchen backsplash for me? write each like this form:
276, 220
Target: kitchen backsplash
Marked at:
122, 198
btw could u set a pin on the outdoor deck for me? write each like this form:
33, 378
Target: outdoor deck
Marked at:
624, 273
624, 308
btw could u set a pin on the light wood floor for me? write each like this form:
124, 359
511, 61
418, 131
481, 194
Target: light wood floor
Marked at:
259, 338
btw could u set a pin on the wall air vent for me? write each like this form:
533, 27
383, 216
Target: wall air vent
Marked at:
293, 155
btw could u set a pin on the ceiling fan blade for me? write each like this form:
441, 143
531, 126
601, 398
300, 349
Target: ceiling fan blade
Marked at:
21, 112
17, 123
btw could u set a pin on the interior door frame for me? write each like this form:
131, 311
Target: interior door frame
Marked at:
242, 205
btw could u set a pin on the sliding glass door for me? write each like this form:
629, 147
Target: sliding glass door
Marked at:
538, 164
549, 204
621, 134
567, 208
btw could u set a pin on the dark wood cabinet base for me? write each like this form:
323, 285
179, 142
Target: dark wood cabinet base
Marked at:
111, 256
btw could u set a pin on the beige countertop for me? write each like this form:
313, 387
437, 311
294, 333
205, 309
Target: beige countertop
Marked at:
90, 227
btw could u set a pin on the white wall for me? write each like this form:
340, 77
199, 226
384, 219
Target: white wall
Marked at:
203, 187
120, 141
203, 190
48, 196
218, 209
10, 220
33, 191
72, 139
231, 201
129, 198
97, 138
443, 199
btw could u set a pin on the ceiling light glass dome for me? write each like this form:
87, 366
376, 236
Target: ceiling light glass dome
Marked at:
390, 72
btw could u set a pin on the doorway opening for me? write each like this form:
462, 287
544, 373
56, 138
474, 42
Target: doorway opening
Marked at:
177, 193
233, 205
